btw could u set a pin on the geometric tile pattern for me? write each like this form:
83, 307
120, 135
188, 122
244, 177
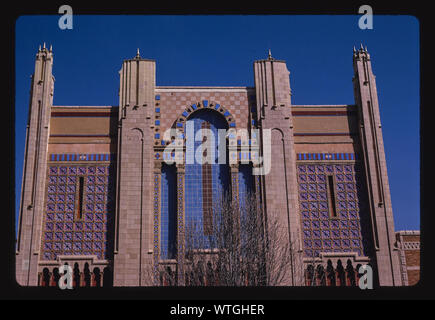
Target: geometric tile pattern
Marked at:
327, 156
321, 231
175, 103
68, 229
82, 157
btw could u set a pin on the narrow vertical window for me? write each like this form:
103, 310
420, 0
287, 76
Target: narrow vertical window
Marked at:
168, 212
331, 198
80, 198
207, 183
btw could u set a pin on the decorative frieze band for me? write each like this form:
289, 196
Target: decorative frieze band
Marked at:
327, 156
82, 157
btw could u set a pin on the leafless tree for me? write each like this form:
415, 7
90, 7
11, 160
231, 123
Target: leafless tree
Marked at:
239, 247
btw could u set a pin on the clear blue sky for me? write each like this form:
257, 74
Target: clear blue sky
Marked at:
219, 51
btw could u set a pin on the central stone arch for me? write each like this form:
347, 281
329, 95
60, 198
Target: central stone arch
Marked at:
204, 104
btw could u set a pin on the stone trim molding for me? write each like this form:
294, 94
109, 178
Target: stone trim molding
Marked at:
92, 260
202, 89
335, 256
409, 232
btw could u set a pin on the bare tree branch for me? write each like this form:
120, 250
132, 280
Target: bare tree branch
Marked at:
238, 249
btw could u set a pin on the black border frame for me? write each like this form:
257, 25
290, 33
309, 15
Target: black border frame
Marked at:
277, 296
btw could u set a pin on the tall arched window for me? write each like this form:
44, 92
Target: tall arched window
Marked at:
206, 181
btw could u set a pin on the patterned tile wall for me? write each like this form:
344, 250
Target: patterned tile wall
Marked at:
68, 229
348, 230
172, 104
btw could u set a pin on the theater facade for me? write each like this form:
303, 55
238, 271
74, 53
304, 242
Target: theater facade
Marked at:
100, 194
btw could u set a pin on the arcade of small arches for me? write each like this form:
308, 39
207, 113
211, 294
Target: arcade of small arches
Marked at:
330, 276
85, 277
205, 273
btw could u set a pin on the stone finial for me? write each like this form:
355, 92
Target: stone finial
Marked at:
51, 48
137, 54
354, 50
270, 55
44, 46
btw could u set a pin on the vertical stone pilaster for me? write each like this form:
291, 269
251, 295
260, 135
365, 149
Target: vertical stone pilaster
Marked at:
180, 225
366, 98
279, 190
34, 170
133, 259
156, 220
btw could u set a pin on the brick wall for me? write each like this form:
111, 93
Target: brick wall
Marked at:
409, 244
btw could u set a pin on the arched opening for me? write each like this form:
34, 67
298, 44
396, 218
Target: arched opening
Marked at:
321, 279
76, 275
87, 275
55, 278
330, 274
97, 277
357, 274
206, 178
341, 276
350, 274
107, 277
45, 278
309, 276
